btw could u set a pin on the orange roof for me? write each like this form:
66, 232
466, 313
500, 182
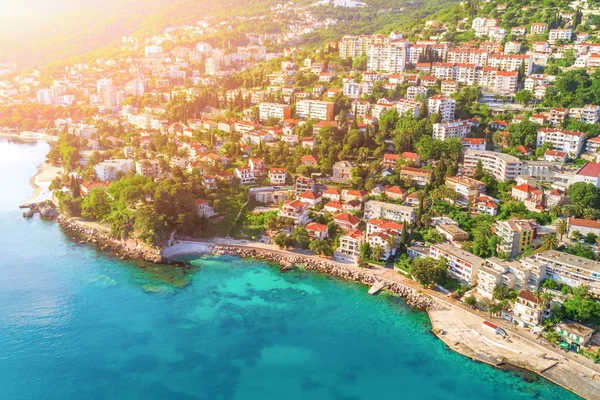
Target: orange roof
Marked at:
314, 226
343, 217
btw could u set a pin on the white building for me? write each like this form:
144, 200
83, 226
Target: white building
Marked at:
455, 129
394, 212
274, 110
315, 109
502, 167
570, 142
463, 265
111, 170
443, 105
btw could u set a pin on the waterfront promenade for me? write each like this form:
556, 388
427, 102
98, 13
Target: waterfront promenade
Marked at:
461, 325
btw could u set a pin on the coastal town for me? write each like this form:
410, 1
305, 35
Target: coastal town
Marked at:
459, 155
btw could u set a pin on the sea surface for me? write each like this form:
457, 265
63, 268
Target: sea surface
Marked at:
78, 324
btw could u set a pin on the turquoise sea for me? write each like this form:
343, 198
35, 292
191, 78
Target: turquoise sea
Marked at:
77, 324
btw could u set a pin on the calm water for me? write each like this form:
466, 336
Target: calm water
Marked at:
77, 324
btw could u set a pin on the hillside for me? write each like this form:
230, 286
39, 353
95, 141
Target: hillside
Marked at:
34, 32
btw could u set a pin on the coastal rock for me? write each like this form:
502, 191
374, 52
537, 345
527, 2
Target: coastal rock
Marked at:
48, 212
124, 249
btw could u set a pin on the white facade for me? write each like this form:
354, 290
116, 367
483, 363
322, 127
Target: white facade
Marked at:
501, 166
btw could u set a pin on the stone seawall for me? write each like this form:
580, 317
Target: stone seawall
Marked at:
123, 249
413, 297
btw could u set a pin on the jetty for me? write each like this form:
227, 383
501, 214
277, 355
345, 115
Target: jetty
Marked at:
376, 288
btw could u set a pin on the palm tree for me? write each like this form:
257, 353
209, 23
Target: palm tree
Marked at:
562, 227
378, 252
555, 210
550, 242
577, 209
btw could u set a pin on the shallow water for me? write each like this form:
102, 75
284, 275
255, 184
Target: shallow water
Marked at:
75, 323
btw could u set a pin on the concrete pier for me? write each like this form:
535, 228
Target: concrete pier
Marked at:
376, 288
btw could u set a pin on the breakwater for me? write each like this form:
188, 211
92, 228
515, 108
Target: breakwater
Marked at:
413, 297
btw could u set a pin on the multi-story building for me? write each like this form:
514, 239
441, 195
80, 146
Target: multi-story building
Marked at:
149, 168
590, 114
203, 208
277, 176
473, 144
559, 34
512, 62
515, 235
302, 184
245, 175
571, 270
341, 170
529, 195
506, 82
467, 189
296, 210
418, 176
315, 109
443, 105
463, 265
528, 310
537, 28
502, 167
390, 57
351, 242
111, 170
455, 129
570, 142
355, 46
394, 212
274, 110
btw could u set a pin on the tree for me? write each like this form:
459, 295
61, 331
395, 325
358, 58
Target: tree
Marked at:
549, 241
378, 252
478, 173
365, 251
301, 237
562, 227
523, 97
96, 206
470, 301
501, 292
584, 194
283, 241
321, 247
426, 271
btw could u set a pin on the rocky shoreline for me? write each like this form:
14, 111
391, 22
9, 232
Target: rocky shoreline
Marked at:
413, 298
123, 249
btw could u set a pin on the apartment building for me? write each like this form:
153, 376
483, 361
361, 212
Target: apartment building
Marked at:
473, 144
390, 57
512, 62
274, 110
443, 105
501, 166
527, 311
467, 189
515, 235
559, 34
537, 28
111, 170
506, 82
570, 142
315, 109
302, 184
448, 130
571, 270
149, 168
379, 210
463, 265
355, 46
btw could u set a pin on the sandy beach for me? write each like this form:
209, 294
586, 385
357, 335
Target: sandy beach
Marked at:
41, 182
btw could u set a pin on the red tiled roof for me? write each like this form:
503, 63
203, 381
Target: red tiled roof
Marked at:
590, 169
587, 223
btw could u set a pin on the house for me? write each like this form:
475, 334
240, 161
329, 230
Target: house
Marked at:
396, 193
574, 333
203, 208
529, 195
485, 205
346, 221
555, 156
148, 168
111, 170
296, 210
413, 158
309, 197
452, 233
309, 160
352, 205
351, 242
390, 160
245, 175
351, 194
277, 176
419, 177
332, 194
86, 187
334, 206
589, 173
387, 242
466, 189
341, 170
584, 226
317, 231
389, 211
258, 166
